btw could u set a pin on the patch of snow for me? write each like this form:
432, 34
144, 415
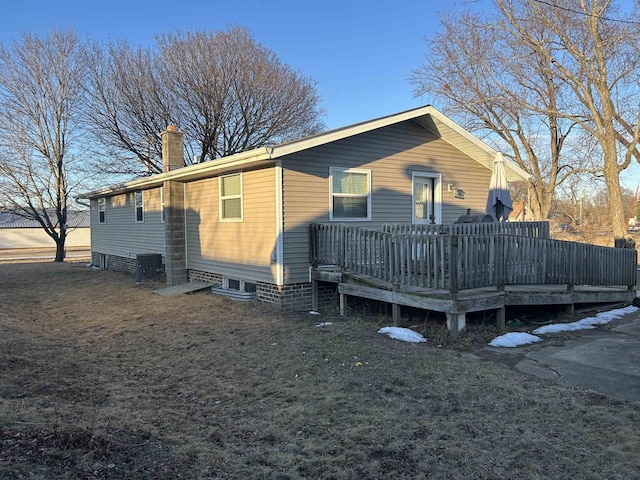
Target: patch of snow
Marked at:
587, 323
404, 334
313, 312
324, 324
514, 339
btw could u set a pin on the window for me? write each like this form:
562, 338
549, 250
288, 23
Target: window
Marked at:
162, 217
102, 210
238, 285
139, 207
231, 198
350, 194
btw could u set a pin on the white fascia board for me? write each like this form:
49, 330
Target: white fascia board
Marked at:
340, 133
469, 137
246, 159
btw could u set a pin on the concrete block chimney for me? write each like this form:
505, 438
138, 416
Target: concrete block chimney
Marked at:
175, 216
172, 149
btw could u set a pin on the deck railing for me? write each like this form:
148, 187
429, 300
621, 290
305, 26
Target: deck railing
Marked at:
464, 261
525, 229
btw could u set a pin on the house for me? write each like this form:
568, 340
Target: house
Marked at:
243, 221
16, 231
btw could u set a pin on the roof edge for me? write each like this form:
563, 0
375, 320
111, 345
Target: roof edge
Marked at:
192, 172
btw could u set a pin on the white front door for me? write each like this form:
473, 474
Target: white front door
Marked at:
423, 200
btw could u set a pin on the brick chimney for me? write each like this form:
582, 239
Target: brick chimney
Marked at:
172, 149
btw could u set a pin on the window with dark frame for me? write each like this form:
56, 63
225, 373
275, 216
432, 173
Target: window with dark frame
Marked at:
102, 210
139, 202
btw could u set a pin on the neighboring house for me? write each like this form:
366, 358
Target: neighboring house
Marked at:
243, 221
20, 232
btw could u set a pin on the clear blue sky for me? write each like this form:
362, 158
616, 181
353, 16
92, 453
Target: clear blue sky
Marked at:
361, 53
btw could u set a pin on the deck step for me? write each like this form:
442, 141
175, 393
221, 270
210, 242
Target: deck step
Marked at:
183, 288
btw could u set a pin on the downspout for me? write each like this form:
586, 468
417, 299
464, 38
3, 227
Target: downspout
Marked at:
186, 238
279, 224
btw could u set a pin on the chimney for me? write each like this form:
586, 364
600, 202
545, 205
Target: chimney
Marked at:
172, 149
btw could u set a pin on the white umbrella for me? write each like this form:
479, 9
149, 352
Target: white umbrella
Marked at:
499, 204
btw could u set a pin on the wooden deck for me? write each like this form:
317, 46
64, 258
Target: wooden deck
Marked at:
477, 269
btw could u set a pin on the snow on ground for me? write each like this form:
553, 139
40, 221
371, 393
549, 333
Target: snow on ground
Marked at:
324, 324
514, 339
586, 323
404, 334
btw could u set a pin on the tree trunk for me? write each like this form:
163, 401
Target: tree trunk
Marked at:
612, 180
60, 250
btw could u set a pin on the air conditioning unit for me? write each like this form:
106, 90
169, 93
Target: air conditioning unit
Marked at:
149, 265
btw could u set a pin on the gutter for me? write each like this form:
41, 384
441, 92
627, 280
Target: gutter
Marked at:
252, 158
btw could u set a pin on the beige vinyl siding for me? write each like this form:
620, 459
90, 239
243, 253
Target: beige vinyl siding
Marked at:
121, 235
241, 250
392, 154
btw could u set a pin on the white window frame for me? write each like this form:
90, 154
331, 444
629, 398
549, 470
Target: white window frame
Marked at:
162, 214
222, 199
242, 284
437, 195
138, 194
333, 195
102, 210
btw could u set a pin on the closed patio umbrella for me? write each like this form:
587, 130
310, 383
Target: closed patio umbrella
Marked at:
499, 204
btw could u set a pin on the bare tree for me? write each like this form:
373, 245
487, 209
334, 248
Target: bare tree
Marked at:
596, 57
225, 91
40, 89
574, 67
126, 108
488, 77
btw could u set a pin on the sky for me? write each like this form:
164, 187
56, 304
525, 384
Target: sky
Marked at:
360, 53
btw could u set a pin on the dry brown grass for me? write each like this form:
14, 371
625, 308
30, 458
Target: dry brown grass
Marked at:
100, 378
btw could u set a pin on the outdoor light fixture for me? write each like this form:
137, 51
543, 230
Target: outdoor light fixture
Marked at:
457, 192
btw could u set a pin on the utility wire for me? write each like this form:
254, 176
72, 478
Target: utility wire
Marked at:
579, 12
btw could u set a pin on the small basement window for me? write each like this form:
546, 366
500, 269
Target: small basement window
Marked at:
236, 289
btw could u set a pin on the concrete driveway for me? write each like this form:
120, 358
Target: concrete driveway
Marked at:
605, 359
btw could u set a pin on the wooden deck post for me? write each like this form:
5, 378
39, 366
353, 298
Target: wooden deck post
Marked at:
500, 318
314, 295
397, 317
455, 323
571, 307
343, 304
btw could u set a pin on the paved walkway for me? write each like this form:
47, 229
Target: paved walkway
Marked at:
606, 359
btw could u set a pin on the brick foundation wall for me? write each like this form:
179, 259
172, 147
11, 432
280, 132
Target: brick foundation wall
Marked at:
291, 298
205, 276
116, 263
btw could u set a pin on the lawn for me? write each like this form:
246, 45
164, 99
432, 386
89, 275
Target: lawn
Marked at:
100, 378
